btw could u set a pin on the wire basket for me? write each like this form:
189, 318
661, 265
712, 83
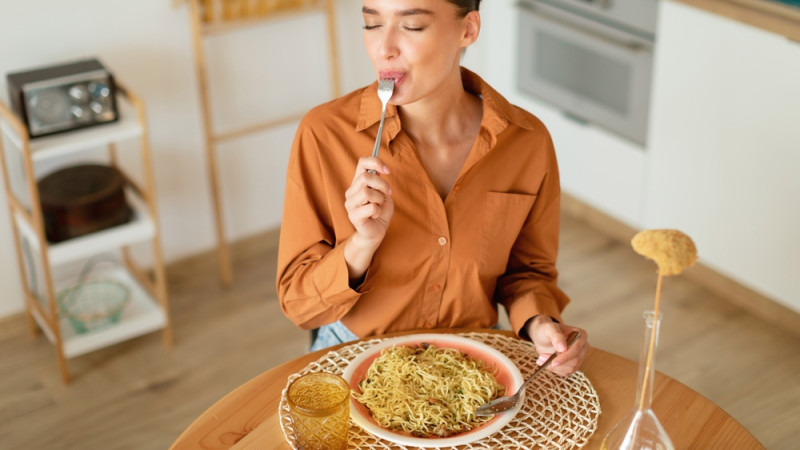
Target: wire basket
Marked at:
93, 304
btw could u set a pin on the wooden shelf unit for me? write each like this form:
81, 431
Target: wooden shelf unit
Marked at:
148, 309
214, 17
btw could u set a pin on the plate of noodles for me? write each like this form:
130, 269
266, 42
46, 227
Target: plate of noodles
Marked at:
422, 390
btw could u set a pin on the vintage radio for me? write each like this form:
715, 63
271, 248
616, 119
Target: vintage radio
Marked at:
63, 97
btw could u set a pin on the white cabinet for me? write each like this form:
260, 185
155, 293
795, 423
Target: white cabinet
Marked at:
40, 260
724, 148
596, 166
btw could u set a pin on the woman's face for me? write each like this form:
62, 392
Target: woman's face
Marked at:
418, 43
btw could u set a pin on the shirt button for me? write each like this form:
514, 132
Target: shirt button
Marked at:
437, 287
442, 240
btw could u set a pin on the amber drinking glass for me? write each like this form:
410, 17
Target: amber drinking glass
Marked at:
319, 411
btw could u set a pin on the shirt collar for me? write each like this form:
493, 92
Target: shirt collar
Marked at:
497, 111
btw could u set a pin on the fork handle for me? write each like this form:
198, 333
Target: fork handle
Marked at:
376, 148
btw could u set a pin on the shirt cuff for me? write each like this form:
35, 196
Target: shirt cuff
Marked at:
332, 280
529, 305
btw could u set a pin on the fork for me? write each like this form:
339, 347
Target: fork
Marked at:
385, 89
501, 404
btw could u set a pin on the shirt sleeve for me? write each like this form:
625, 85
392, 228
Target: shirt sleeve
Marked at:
529, 285
312, 277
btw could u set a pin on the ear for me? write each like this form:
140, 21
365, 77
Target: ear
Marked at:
472, 28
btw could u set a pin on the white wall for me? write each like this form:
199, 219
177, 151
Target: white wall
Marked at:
257, 73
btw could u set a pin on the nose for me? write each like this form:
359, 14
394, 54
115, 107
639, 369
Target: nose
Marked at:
388, 46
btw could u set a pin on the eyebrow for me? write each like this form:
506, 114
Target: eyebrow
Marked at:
402, 12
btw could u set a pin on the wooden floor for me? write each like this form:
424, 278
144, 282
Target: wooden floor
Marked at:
140, 395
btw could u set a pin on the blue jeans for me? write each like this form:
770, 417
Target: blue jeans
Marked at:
336, 333
330, 335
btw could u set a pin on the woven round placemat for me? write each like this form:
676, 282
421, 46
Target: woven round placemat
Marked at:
558, 412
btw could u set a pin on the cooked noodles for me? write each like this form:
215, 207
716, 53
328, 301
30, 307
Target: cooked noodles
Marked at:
427, 391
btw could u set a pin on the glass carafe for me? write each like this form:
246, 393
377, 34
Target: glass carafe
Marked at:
640, 428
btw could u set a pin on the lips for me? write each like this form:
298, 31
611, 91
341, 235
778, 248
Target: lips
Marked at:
394, 74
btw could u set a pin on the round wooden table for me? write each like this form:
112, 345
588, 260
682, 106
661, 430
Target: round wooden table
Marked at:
248, 417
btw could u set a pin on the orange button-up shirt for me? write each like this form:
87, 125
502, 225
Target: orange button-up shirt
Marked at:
443, 263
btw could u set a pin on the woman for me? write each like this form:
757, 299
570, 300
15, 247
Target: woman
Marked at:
460, 214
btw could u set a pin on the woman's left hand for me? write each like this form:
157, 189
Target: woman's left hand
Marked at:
549, 336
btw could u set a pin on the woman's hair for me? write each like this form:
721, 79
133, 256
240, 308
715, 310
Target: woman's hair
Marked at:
465, 6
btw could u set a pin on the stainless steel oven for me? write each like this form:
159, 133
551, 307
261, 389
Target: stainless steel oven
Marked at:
590, 58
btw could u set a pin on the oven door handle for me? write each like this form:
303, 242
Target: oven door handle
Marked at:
600, 3
560, 20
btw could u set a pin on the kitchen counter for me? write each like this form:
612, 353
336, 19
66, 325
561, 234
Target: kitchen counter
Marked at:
770, 15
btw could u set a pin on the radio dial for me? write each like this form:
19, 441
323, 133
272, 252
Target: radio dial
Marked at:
79, 113
99, 90
79, 93
97, 107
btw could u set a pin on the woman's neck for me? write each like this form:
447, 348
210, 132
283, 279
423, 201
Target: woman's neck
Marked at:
443, 129
443, 119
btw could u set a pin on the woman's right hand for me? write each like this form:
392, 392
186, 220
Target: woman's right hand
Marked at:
370, 207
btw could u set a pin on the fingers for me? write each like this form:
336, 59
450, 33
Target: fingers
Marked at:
546, 335
368, 200
558, 339
569, 362
368, 175
569, 359
369, 163
364, 200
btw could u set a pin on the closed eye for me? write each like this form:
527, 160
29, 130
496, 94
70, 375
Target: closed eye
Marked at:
375, 27
409, 13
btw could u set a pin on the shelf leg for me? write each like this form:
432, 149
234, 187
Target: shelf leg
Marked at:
26, 288
159, 273
156, 284
35, 217
32, 327
169, 341
158, 265
53, 317
330, 12
161, 287
62, 364
226, 273
223, 252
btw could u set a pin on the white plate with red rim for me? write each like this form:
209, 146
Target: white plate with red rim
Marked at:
506, 373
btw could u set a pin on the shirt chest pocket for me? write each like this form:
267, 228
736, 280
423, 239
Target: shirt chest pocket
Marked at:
504, 215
